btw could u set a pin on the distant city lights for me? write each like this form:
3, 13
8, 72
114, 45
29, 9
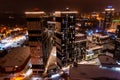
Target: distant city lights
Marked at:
65, 12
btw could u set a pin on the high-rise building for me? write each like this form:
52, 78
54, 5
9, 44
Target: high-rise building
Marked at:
80, 46
118, 31
117, 45
108, 17
65, 36
117, 50
39, 40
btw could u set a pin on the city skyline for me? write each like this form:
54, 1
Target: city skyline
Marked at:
65, 45
52, 5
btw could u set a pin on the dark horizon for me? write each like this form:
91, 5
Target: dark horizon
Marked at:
52, 5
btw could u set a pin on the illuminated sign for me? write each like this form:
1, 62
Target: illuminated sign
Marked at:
40, 12
109, 9
115, 20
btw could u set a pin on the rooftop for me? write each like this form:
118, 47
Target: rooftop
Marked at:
79, 35
101, 36
15, 58
93, 72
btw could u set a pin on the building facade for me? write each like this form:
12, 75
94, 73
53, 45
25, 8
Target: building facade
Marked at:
65, 36
39, 40
80, 46
118, 31
117, 50
108, 17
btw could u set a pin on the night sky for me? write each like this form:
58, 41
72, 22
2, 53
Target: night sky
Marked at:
51, 5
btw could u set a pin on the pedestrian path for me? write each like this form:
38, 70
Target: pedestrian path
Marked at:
51, 60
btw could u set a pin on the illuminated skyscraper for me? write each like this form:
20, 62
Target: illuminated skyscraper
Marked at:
65, 36
117, 44
117, 50
118, 31
108, 17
